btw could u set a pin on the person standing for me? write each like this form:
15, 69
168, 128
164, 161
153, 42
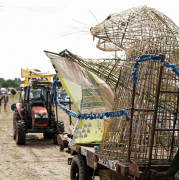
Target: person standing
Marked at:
2, 98
5, 105
7, 98
0, 103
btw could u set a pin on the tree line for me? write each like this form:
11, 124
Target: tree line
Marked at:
10, 83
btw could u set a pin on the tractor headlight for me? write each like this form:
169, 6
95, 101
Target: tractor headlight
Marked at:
45, 115
37, 116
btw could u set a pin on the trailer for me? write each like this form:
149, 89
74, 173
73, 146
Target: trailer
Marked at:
129, 151
86, 164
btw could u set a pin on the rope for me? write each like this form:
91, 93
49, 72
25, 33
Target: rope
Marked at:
91, 115
146, 57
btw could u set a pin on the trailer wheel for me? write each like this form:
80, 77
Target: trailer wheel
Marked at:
16, 118
79, 169
20, 132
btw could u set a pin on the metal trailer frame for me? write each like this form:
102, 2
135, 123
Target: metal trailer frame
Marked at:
114, 169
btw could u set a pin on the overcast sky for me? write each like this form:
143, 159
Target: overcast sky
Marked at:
28, 27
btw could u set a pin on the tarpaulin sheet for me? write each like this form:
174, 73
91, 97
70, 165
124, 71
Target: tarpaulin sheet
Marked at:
88, 93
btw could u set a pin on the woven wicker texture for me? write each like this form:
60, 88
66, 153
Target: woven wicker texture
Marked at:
140, 29
137, 31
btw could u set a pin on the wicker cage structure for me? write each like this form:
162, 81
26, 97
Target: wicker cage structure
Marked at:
152, 136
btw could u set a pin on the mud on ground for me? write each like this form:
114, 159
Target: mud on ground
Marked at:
37, 159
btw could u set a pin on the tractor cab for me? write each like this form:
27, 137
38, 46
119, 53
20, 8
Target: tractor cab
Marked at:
39, 97
38, 102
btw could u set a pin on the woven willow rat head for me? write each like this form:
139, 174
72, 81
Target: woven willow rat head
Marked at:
142, 30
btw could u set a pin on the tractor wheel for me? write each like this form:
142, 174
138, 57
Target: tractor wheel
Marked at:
47, 135
61, 126
61, 129
14, 127
16, 113
79, 169
16, 118
20, 132
53, 116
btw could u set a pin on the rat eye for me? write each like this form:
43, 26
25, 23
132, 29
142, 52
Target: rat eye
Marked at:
108, 17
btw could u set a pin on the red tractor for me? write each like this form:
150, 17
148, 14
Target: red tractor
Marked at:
35, 112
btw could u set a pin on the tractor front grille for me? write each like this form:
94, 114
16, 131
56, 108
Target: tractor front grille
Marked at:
41, 121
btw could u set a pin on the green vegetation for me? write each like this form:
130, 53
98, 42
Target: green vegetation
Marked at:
10, 83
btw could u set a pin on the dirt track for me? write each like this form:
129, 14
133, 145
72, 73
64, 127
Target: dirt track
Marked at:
37, 159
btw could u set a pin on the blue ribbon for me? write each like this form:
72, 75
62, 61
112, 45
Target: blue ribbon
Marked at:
146, 57
90, 116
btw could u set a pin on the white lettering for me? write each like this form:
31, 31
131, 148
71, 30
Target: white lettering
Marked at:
108, 163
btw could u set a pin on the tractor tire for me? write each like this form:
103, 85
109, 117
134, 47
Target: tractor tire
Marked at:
61, 129
79, 169
16, 113
61, 126
53, 117
20, 132
16, 118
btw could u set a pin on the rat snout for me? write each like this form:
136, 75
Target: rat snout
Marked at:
93, 32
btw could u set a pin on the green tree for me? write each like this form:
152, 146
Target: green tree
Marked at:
11, 83
4, 84
2, 80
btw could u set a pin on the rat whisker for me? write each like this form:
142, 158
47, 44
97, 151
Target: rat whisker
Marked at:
81, 36
70, 32
74, 33
81, 22
94, 16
